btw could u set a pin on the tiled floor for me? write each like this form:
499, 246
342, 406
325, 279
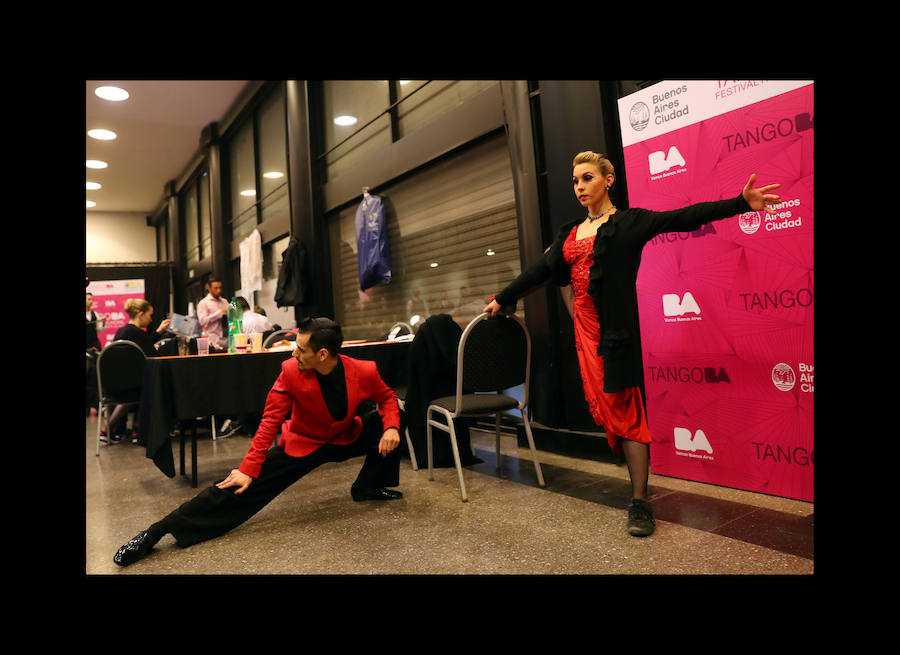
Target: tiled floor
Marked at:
509, 526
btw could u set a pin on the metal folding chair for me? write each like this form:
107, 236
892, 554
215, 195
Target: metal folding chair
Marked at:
120, 374
494, 355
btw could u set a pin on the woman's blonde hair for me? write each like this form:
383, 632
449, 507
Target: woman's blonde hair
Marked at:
134, 306
600, 161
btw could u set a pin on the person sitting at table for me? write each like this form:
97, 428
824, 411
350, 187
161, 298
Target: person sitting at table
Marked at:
317, 432
141, 314
252, 321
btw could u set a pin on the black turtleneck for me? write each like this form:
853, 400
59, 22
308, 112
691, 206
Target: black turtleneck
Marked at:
334, 391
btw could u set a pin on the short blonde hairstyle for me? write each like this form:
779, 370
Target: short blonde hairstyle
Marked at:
599, 161
134, 306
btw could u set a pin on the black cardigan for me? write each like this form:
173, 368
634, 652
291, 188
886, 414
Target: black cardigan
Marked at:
141, 337
613, 274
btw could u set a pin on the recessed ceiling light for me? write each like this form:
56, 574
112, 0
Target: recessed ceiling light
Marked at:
490, 252
345, 120
89, 203
273, 175
102, 135
92, 186
434, 264
95, 163
113, 93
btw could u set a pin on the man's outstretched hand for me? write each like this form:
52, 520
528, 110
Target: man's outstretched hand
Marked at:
236, 479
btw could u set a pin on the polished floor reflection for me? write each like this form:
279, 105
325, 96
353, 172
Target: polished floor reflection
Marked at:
510, 526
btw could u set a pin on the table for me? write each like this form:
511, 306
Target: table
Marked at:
190, 386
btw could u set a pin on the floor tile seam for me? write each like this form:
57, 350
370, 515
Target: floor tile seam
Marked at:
715, 531
659, 491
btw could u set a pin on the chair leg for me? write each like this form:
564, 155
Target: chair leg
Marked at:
194, 456
99, 425
412, 452
497, 439
213, 426
537, 464
428, 445
448, 428
459, 471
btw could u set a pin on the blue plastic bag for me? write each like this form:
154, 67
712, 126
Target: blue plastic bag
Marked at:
373, 251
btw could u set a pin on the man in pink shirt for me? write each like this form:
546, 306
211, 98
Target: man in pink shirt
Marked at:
210, 311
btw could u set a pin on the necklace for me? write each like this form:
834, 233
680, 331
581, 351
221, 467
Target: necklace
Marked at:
594, 218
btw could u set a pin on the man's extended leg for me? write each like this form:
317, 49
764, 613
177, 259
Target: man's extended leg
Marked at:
215, 511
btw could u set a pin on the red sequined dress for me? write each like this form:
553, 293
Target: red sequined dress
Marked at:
621, 413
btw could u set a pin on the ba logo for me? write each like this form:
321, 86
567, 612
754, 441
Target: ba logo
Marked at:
685, 441
783, 377
660, 162
675, 306
749, 222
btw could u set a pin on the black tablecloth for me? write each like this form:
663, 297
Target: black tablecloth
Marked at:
181, 388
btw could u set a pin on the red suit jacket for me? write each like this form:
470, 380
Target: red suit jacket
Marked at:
311, 424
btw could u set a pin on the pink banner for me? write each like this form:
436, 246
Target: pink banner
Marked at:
726, 312
109, 304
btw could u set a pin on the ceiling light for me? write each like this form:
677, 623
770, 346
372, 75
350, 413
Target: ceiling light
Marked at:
345, 120
248, 192
274, 175
95, 163
434, 264
113, 93
89, 203
92, 186
102, 135
490, 252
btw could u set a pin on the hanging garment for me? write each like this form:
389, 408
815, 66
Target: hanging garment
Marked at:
251, 263
373, 252
293, 278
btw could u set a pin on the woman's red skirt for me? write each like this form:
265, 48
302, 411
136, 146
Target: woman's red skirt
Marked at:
621, 413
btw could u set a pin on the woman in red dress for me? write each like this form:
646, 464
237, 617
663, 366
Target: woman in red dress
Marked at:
599, 257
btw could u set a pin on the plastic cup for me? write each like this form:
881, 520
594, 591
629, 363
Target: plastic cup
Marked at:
240, 342
256, 340
203, 345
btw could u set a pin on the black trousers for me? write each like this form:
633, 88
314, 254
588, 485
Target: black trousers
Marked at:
215, 511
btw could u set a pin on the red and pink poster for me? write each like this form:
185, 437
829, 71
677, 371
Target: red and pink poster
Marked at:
109, 304
726, 312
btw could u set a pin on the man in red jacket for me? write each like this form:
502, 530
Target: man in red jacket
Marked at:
322, 391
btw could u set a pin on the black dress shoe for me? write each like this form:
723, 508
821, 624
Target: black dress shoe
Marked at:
135, 549
375, 494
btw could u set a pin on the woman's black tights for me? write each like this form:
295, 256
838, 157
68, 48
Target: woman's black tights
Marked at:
116, 421
637, 456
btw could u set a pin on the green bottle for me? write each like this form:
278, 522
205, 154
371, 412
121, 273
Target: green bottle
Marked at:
235, 318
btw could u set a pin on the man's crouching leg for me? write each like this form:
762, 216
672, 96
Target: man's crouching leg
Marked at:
378, 471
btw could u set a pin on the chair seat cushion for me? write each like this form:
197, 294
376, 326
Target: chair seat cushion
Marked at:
482, 403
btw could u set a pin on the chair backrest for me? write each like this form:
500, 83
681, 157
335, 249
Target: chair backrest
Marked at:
494, 354
120, 368
398, 329
279, 335
167, 346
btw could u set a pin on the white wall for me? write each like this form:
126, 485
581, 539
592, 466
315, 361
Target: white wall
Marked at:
118, 237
